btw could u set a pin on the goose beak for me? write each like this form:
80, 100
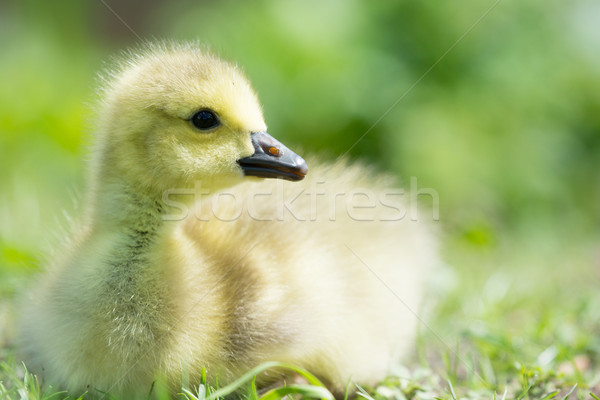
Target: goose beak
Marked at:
271, 159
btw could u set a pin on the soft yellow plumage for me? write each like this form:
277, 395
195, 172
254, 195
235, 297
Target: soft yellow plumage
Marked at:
181, 262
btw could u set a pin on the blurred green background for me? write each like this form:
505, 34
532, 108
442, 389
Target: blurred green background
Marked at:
506, 128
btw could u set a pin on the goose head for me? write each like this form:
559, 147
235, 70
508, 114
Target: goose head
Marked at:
173, 118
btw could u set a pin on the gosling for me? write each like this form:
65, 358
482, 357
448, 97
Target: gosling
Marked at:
187, 257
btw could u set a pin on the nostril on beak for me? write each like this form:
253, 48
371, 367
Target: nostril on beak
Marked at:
271, 146
274, 151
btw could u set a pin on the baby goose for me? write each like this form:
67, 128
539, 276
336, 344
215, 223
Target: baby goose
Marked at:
255, 270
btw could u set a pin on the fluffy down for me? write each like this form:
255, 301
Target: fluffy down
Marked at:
180, 262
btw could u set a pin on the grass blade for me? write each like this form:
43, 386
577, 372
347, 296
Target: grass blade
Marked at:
232, 387
570, 392
305, 391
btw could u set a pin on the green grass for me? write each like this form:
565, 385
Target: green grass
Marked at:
18, 383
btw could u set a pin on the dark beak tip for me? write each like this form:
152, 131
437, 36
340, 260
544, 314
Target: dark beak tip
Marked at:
301, 166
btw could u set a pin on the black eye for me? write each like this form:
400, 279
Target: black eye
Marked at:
205, 119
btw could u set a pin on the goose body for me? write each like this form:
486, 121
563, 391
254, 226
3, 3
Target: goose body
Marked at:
185, 259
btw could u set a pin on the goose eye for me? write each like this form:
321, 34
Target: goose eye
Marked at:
205, 119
